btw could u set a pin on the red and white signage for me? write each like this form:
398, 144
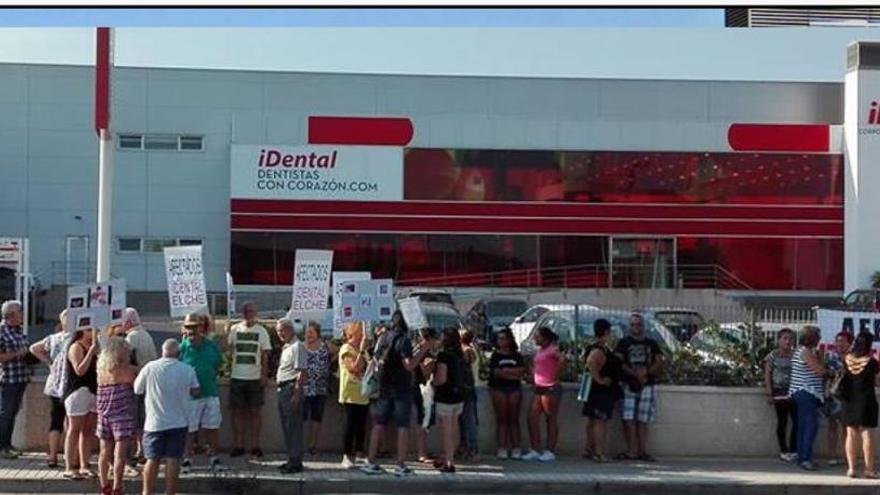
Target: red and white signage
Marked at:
363, 173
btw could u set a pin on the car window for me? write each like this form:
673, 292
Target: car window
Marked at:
533, 314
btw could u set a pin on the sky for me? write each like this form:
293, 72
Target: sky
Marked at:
378, 17
631, 43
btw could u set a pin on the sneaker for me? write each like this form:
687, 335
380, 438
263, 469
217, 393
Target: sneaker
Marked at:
547, 456
217, 465
347, 463
447, 468
290, 468
788, 456
361, 461
16, 451
808, 466
370, 468
502, 454
236, 452
186, 466
531, 456
401, 470
516, 454
8, 454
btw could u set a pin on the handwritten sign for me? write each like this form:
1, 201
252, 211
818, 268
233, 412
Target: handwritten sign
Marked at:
185, 275
311, 280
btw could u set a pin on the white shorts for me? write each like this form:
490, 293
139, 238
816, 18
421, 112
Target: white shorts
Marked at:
449, 409
205, 414
81, 402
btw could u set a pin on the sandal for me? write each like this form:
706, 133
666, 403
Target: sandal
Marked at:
52, 464
851, 474
71, 475
871, 475
426, 460
87, 474
626, 456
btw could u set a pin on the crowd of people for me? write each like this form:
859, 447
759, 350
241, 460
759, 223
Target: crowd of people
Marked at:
145, 408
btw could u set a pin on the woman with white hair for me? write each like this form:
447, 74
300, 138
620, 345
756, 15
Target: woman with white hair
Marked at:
116, 411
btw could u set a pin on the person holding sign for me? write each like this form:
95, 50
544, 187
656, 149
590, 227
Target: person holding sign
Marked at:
81, 402
250, 347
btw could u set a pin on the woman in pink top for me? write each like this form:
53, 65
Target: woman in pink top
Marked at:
548, 392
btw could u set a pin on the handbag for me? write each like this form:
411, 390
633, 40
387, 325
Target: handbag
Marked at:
586, 385
839, 388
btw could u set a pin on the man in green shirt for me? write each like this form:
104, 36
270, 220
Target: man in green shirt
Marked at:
205, 356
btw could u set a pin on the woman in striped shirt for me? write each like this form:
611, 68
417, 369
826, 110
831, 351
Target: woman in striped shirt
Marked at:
807, 390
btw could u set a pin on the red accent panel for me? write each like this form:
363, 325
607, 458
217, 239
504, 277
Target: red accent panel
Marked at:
533, 225
779, 137
541, 210
102, 80
389, 131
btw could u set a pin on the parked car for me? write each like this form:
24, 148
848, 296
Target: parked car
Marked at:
522, 325
708, 345
682, 322
492, 314
441, 316
429, 296
862, 300
571, 325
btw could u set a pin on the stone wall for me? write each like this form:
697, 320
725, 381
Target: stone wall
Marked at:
692, 421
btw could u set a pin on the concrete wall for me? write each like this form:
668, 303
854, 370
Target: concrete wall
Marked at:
692, 421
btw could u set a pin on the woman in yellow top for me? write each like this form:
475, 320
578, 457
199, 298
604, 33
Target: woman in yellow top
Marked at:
352, 363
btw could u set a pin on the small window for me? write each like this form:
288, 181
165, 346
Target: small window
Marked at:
160, 142
189, 242
191, 143
129, 244
157, 245
130, 141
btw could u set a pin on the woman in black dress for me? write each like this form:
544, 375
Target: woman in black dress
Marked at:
860, 404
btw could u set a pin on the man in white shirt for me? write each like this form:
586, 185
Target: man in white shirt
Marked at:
250, 346
144, 350
290, 378
168, 385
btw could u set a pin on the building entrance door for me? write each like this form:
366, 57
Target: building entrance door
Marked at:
642, 262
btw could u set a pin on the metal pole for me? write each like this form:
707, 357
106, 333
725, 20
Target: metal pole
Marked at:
26, 283
105, 204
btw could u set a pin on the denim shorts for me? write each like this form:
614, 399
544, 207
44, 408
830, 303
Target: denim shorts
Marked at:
397, 408
165, 444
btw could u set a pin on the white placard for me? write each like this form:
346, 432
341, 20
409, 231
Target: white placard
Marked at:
185, 275
367, 300
412, 312
361, 173
97, 305
10, 250
311, 280
230, 296
832, 322
338, 279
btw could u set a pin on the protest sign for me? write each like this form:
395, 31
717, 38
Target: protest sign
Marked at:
338, 279
230, 296
833, 321
311, 280
367, 300
412, 312
185, 275
95, 305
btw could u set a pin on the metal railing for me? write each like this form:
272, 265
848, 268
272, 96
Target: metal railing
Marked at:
595, 276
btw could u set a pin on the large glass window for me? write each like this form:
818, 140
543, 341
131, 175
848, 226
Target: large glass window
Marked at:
622, 177
546, 261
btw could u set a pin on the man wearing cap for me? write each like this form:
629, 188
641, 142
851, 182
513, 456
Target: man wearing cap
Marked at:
206, 358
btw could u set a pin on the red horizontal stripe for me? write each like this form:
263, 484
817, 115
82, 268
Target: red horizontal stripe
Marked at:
533, 226
779, 137
542, 210
389, 131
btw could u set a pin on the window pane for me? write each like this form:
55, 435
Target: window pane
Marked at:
129, 244
157, 245
190, 242
623, 177
130, 141
160, 142
191, 143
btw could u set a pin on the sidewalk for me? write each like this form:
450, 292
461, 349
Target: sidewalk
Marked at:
570, 475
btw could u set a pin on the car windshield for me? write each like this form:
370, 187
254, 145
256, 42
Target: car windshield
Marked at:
715, 340
503, 312
681, 323
441, 321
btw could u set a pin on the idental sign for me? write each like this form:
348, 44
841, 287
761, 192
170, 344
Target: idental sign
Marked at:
361, 173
